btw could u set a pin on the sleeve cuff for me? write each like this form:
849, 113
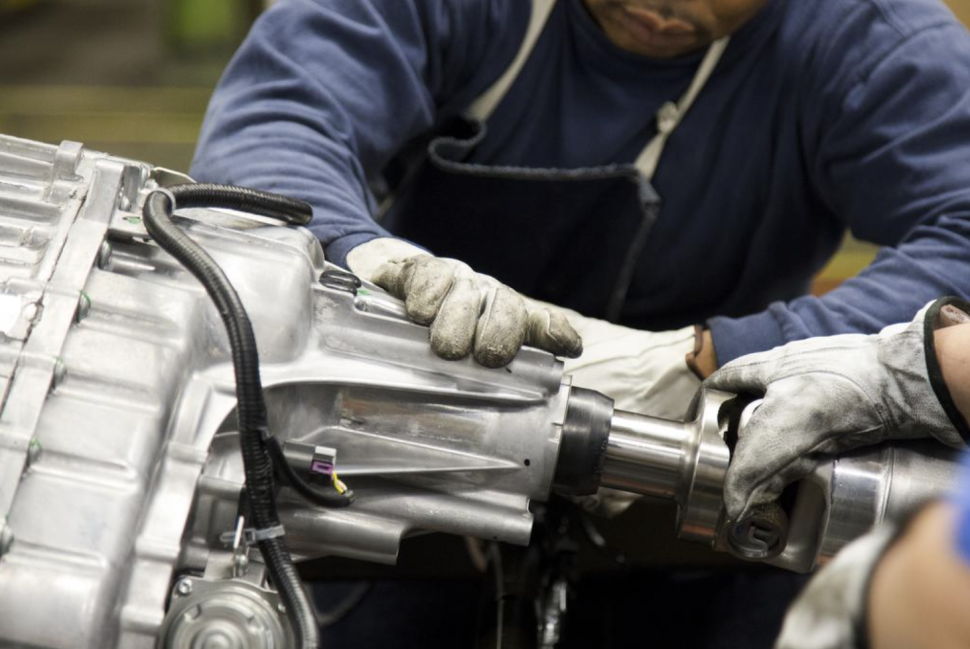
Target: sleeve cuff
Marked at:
336, 251
736, 337
960, 498
933, 369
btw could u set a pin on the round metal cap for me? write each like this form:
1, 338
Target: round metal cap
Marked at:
229, 614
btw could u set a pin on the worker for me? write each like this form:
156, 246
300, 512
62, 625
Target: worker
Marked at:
532, 141
681, 167
905, 584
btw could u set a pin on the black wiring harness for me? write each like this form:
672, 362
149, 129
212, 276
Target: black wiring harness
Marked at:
263, 459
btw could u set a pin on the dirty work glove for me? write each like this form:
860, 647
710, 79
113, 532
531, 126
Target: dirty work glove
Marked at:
830, 612
826, 396
467, 312
642, 371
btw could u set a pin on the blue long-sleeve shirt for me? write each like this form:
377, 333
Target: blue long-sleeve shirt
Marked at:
821, 116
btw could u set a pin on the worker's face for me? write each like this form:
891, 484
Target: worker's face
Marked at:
668, 28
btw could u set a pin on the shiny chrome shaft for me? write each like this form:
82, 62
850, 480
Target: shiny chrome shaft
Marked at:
646, 455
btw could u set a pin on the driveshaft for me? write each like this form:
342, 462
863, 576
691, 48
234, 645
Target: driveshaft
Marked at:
687, 462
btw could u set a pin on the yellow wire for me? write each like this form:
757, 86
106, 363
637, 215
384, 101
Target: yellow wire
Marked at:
340, 486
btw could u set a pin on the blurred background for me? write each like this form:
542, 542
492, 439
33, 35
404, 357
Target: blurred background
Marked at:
132, 77
129, 77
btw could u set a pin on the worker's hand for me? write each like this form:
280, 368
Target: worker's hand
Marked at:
467, 312
825, 396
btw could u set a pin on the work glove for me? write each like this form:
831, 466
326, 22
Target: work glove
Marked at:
830, 612
826, 396
467, 312
642, 371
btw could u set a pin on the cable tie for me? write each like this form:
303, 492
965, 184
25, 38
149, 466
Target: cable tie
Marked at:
254, 536
264, 534
250, 535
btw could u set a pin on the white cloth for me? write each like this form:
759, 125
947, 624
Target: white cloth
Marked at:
642, 371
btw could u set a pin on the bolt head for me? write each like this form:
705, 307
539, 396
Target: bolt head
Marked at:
184, 587
104, 255
240, 563
33, 451
60, 371
83, 306
6, 539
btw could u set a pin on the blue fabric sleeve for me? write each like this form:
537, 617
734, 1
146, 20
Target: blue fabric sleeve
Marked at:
960, 497
889, 154
322, 94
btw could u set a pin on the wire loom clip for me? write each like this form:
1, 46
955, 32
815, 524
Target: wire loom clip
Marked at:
164, 191
250, 535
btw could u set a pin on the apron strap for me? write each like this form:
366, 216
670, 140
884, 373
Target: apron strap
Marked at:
670, 114
481, 109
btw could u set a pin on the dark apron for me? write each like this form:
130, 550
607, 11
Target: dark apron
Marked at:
569, 237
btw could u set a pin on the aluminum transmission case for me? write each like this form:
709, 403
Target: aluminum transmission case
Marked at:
119, 462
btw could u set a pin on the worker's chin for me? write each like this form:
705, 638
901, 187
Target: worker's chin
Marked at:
664, 46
